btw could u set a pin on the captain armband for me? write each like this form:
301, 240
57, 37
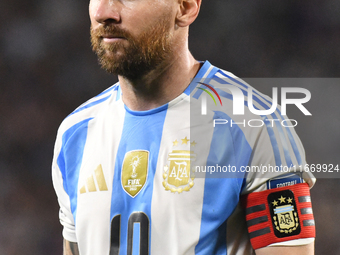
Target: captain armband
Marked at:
279, 215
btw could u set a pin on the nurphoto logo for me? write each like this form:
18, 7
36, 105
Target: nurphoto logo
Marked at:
204, 99
239, 103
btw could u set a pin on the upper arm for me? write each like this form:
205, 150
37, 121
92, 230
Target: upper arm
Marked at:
287, 250
280, 220
70, 248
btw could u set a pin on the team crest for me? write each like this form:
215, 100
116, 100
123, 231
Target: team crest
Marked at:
284, 214
134, 171
178, 176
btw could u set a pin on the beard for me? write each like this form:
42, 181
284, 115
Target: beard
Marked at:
133, 57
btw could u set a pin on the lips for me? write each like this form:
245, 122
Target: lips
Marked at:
111, 38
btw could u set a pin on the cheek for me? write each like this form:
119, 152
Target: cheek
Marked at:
94, 3
93, 7
146, 17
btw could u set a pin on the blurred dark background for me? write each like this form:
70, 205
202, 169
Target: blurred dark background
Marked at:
47, 69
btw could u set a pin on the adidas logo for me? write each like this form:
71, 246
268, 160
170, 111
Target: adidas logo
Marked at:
96, 178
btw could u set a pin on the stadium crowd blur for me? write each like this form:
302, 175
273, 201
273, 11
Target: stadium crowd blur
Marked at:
47, 69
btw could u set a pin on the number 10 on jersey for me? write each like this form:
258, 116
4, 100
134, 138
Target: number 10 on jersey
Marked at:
137, 234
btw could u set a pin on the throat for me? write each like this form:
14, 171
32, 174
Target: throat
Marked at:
143, 97
158, 87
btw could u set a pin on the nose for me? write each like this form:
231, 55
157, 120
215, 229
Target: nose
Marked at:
105, 11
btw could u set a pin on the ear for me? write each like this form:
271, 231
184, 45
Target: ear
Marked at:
187, 12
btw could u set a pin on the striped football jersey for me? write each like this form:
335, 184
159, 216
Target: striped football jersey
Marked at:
169, 180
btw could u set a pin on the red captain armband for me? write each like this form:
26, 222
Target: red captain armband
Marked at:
279, 215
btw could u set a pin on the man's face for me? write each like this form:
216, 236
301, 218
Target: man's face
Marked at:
131, 37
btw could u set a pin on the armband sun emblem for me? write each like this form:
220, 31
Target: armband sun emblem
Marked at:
178, 175
284, 214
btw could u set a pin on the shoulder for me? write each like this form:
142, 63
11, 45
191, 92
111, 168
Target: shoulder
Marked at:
90, 109
235, 104
73, 131
77, 122
251, 117
246, 100
231, 94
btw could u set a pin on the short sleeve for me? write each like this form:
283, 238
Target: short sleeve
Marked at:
277, 153
275, 195
65, 214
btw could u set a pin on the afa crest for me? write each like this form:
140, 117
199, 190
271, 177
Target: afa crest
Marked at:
284, 214
178, 176
134, 171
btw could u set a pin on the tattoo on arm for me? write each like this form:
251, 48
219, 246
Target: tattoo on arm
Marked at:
70, 248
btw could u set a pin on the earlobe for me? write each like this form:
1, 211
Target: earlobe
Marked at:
187, 12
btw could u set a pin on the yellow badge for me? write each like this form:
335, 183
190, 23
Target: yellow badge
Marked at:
284, 213
178, 176
135, 171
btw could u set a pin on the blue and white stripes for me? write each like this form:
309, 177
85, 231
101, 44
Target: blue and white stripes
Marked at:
286, 145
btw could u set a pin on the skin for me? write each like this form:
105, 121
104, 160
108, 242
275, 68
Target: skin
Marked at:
70, 248
157, 87
287, 250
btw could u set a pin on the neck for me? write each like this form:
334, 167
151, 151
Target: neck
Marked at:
166, 82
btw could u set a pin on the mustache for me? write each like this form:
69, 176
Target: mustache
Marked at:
110, 30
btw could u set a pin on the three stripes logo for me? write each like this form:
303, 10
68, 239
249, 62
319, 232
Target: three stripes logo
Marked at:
204, 102
96, 182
